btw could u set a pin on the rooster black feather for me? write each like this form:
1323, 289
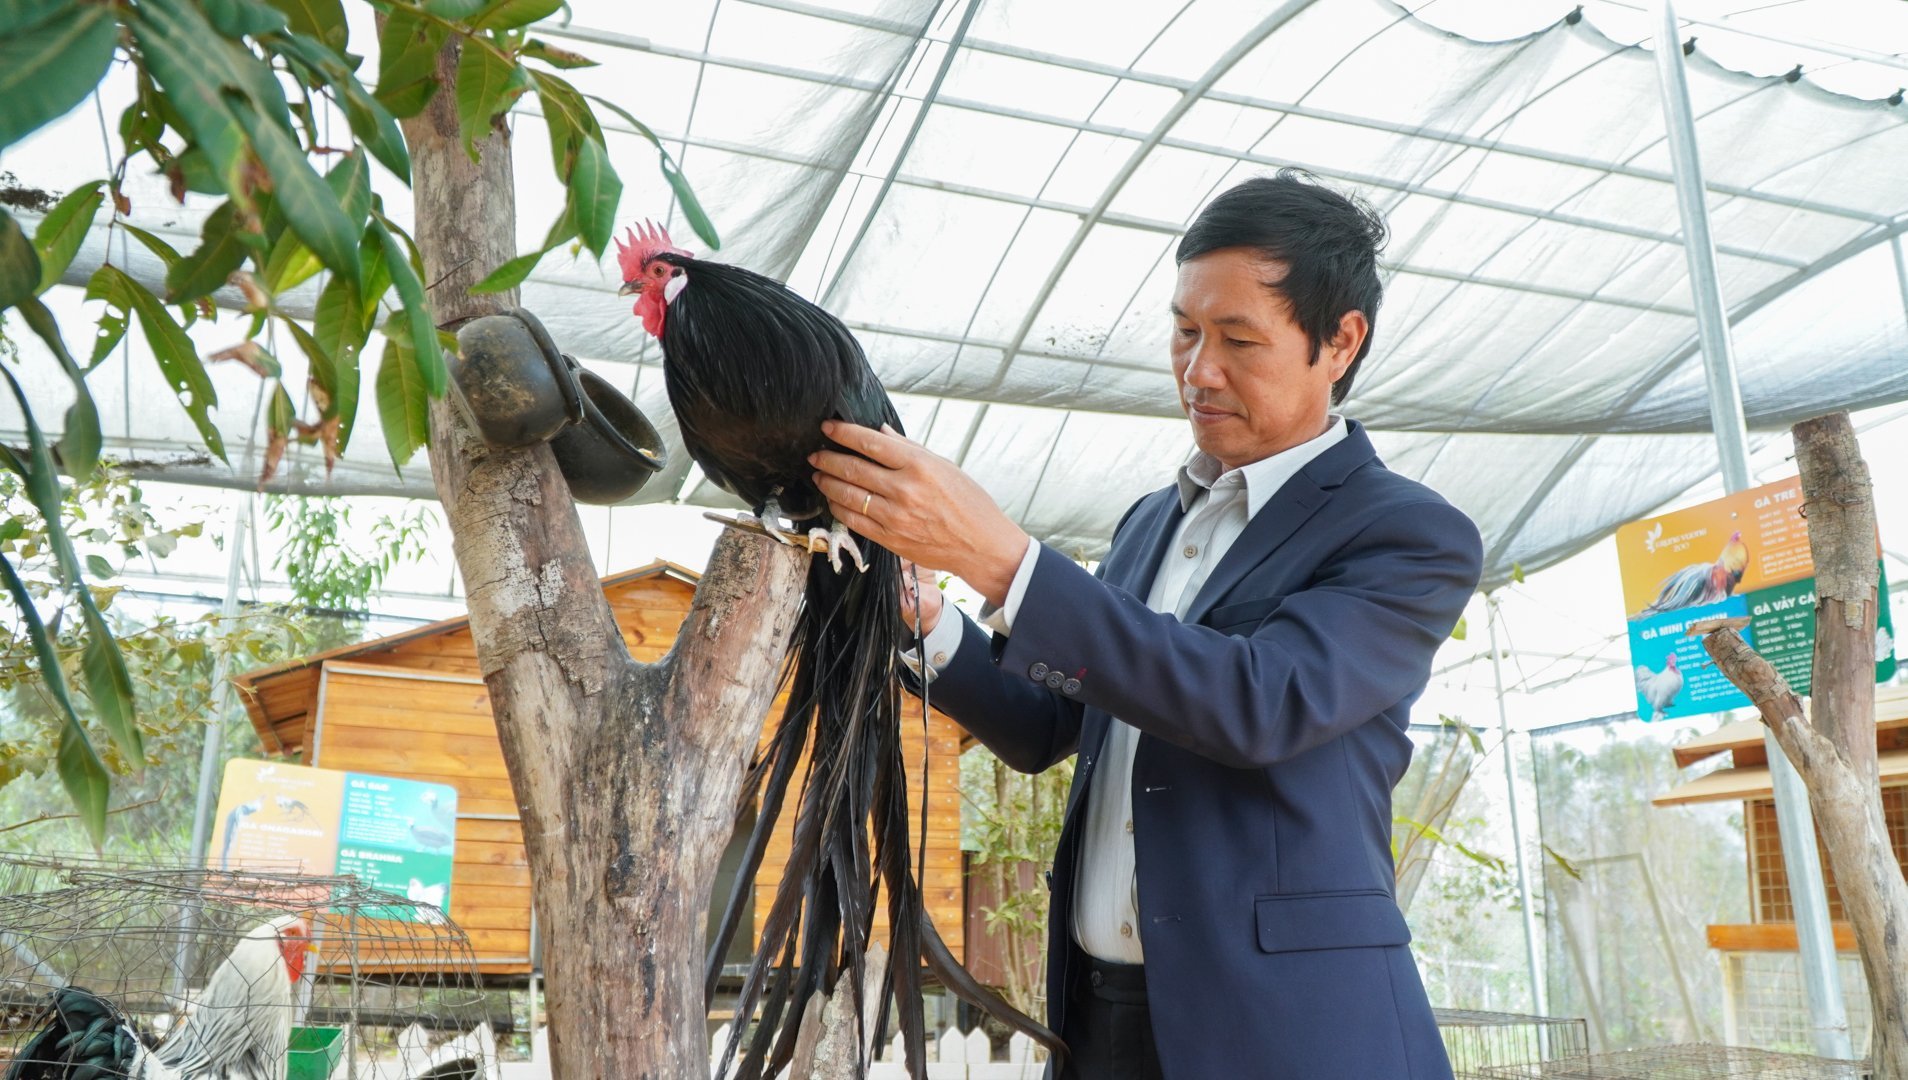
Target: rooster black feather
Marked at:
752, 371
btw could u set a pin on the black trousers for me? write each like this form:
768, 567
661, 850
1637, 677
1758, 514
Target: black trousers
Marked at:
1108, 1026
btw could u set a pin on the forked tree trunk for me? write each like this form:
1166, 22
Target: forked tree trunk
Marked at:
1834, 747
626, 775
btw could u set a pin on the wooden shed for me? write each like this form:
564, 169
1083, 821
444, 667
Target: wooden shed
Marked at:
1746, 779
413, 705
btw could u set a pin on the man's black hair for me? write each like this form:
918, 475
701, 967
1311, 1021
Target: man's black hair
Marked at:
1327, 242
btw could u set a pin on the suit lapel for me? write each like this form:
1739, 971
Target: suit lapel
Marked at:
1282, 516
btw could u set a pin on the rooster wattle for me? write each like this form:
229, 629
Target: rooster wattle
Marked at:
752, 370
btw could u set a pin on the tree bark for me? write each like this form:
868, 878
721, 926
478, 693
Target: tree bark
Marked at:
1834, 748
625, 774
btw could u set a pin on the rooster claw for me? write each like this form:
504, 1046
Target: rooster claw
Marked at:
834, 541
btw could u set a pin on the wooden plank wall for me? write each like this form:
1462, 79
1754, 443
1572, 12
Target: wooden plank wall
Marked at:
440, 728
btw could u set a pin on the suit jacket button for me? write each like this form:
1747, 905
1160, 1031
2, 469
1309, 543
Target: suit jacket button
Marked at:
1055, 680
1038, 672
1070, 687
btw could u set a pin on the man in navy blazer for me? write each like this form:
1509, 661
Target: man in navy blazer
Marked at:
1236, 678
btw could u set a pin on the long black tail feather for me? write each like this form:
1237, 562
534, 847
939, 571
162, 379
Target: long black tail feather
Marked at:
844, 710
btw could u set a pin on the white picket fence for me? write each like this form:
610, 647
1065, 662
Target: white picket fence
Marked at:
953, 1056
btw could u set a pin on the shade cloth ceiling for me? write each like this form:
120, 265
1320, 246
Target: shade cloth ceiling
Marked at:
989, 191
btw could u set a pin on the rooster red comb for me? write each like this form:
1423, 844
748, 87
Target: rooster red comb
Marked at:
645, 243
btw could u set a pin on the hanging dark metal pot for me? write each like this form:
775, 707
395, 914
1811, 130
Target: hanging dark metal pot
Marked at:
516, 387
615, 450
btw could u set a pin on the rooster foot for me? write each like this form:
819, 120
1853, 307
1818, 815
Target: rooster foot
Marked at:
767, 518
835, 541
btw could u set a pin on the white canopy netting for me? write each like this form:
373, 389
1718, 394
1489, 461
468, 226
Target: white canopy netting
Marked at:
989, 193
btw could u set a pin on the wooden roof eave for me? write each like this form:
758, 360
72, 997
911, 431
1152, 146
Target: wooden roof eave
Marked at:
298, 677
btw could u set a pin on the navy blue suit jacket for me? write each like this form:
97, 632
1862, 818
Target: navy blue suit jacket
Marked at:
1272, 727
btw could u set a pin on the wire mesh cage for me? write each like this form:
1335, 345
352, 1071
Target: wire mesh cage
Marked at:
1479, 1041
1692, 1061
170, 971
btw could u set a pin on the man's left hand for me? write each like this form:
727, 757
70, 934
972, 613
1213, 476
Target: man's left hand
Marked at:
920, 506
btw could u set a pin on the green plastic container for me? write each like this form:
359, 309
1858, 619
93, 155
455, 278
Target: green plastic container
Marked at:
314, 1052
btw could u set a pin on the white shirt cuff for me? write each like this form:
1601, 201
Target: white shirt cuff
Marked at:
940, 643
1001, 619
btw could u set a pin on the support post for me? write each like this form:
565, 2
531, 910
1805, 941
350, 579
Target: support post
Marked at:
1539, 996
1828, 1013
211, 750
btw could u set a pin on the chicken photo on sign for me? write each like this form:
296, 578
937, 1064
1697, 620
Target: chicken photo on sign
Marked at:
752, 371
239, 1029
1744, 555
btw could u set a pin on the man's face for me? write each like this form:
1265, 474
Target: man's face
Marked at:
1246, 380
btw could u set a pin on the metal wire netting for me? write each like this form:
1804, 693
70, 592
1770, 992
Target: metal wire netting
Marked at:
1691, 1061
1479, 1041
362, 982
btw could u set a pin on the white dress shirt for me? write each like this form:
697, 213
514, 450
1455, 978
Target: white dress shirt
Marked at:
1217, 503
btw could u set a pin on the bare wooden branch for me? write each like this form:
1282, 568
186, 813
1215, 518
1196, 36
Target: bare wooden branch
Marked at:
1835, 750
625, 775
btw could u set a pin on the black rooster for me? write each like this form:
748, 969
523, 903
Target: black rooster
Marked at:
752, 371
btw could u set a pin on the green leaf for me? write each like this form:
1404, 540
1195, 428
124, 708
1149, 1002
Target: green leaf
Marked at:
112, 325
407, 62
184, 57
19, 264
1562, 863
428, 355
103, 665
178, 359
80, 440
454, 10
52, 675
219, 253
377, 278
1517, 573
242, 18
166, 252
322, 371
51, 67
310, 208
320, 20
568, 118
510, 14
370, 121
18, 15
63, 229
279, 417
555, 57
98, 567
595, 192
483, 91
108, 683
85, 780
510, 275
291, 264
692, 210
1460, 630
350, 181
687, 202
339, 329
403, 399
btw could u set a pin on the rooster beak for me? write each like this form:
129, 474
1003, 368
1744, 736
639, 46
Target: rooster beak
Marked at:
630, 288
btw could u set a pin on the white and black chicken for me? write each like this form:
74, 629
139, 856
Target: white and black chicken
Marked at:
240, 1029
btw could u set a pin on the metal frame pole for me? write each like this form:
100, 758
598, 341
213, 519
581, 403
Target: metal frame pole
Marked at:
1828, 1013
1539, 996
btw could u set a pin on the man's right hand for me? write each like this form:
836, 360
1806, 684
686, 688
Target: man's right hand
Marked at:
918, 587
